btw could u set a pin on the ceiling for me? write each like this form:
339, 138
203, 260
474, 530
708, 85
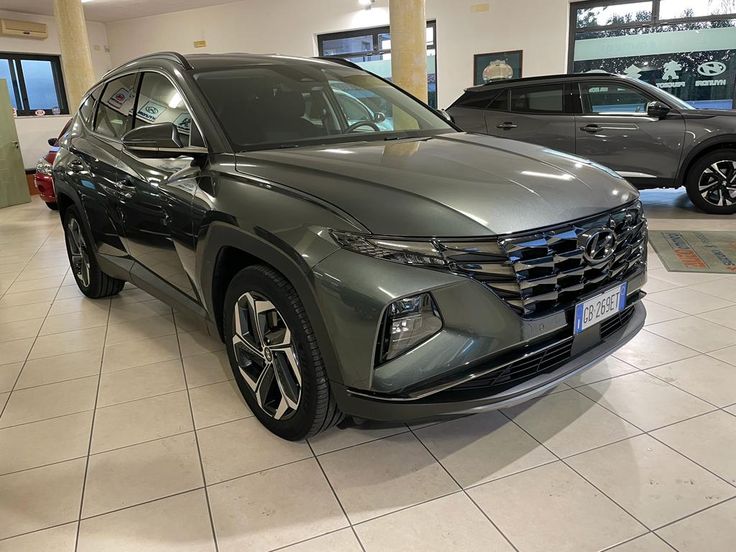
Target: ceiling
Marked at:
112, 10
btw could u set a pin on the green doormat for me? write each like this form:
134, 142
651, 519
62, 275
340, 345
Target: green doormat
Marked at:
695, 251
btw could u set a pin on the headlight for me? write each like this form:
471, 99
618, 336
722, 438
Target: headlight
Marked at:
398, 251
407, 323
44, 167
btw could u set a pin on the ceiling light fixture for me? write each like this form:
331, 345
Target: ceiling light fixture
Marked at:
366, 3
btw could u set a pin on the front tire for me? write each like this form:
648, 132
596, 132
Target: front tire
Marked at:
89, 277
711, 182
274, 355
52, 205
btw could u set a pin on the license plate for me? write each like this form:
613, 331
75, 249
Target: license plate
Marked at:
596, 309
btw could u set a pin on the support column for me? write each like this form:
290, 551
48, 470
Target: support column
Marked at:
76, 57
409, 46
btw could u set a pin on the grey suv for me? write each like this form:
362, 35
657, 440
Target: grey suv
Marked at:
648, 136
389, 268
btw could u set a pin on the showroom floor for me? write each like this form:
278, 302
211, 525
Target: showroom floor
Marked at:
116, 413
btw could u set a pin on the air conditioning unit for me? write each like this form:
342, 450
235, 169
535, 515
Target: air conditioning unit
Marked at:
23, 29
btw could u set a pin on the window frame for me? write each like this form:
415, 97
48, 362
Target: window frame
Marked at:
18, 83
655, 22
377, 50
98, 103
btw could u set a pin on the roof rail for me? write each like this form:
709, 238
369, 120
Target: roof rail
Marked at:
176, 57
341, 61
543, 77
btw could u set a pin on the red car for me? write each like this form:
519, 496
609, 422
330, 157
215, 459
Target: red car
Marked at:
43, 179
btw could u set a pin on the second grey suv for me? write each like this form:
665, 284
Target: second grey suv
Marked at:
376, 263
647, 135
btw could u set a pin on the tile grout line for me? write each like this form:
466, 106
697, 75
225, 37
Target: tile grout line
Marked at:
91, 436
196, 437
462, 490
337, 498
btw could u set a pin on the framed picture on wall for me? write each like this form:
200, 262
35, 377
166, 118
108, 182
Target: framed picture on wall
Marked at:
497, 66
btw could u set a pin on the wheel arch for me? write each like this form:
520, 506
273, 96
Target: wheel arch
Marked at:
227, 249
724, 141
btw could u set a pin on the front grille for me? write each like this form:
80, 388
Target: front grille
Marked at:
539, 362
542, 272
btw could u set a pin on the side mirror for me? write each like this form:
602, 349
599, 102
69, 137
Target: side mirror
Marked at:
161, 140
446, 116
53, 142
378, 117
657, 110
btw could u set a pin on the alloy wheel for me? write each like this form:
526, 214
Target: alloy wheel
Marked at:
717, 184
78, 252
266, 356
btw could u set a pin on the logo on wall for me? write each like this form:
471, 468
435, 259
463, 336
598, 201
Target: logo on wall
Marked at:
151, 111
632, 71
712, 68
670, 70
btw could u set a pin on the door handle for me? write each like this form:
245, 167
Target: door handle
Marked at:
507, 126
76, 166
590, 128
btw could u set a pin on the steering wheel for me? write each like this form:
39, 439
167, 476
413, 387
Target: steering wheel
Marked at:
358, 124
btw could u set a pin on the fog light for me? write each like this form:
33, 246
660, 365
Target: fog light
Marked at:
407, 323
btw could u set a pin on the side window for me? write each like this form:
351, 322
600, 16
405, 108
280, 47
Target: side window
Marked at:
538, 99
612, 99
500, 102
476, 99
160, 102
87, 109
115, 109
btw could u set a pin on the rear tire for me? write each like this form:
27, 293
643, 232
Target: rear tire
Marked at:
275, 357
52, 205
711, 182
89, 277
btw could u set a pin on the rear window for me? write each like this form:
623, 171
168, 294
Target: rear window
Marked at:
476, 99
538, 99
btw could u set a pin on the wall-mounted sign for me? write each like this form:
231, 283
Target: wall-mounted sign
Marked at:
497, 65
200, 43
119, 97
150, 111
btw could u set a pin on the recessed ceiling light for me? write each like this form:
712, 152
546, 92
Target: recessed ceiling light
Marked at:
366, 3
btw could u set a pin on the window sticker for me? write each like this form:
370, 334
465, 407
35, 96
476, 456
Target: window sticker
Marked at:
183, 122
119, 97
151, 111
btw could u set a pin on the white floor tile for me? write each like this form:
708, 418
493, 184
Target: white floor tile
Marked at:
713, 529
704, 376
57, 539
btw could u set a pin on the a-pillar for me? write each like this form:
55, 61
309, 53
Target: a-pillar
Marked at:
409, 46
76, 58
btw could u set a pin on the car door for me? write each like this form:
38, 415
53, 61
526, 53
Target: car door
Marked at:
539, 114
615, 130
470, 111
158, 192
92, 162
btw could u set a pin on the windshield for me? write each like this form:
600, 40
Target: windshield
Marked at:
672, 100
288, 104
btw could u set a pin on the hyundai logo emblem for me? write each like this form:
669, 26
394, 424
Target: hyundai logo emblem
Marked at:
711, 68
599, 245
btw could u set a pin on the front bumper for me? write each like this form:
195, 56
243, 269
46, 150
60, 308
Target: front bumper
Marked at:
452, 400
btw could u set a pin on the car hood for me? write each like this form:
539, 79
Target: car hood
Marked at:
453, 184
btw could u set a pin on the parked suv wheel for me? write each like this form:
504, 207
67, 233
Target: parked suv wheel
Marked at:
275, 357
89, 277
711, 182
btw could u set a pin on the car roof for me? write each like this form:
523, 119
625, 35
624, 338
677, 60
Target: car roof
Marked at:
541, 78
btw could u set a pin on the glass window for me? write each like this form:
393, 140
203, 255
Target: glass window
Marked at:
268, 106
159, 101
35, 83
475, 99
500, 102
86, 110
538, 99
614, 14
680, 9
115, 109
613, 99
371, 49
688, 49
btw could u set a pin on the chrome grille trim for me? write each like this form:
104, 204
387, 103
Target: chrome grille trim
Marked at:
545, 271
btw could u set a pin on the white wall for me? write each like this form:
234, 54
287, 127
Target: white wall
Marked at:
34, 131
539, 27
